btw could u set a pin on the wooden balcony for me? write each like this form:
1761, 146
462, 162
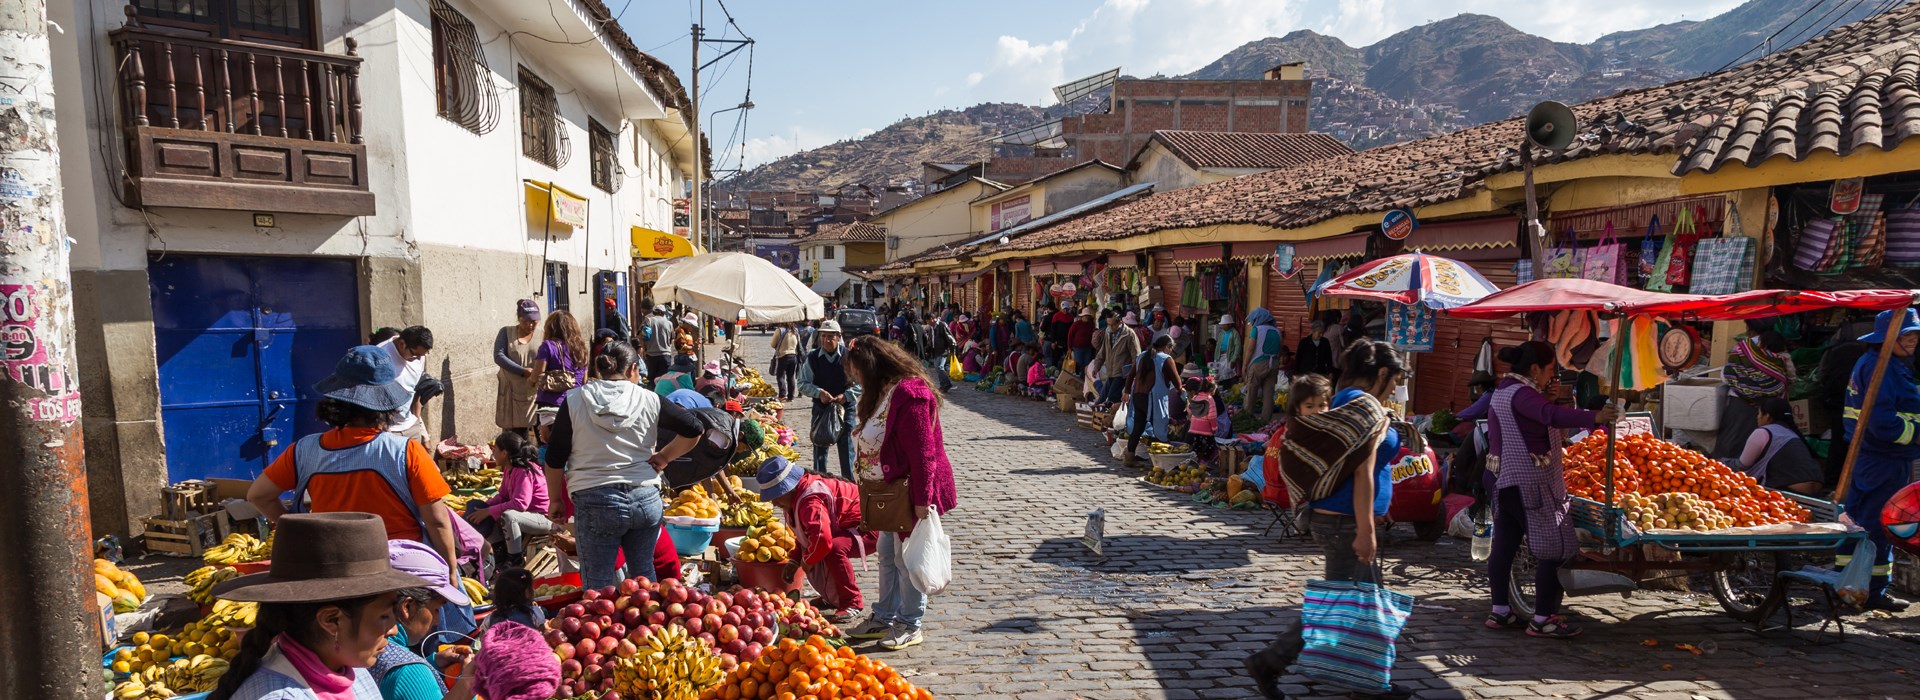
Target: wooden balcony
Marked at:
218, 124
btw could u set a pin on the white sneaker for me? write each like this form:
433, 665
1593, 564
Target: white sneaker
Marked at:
901, 637
870, 628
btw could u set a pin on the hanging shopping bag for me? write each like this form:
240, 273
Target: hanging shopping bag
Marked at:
1811, 252
1868, 229
1649, 253
1903, 235
1723, 265
1410, 327
1604, 262
1686, 234
1348, 628
928, 555
1857, 577
1657, 280
1523, 271
1563, 262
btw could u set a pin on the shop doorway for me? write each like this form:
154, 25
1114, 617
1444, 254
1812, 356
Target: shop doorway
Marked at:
240, 342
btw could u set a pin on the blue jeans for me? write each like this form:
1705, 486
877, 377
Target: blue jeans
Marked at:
900, 603
845, 443
1082, 356
609, 520
1112, 389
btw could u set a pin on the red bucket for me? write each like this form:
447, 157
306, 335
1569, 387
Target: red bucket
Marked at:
765, 576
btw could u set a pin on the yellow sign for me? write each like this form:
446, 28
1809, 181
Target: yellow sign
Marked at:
562, 206
648, 243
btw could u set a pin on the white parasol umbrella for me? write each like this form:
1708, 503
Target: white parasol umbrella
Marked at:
726, 284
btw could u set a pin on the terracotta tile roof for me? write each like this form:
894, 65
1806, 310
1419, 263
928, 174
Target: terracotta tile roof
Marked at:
1855, 87
1212, 149
856, 232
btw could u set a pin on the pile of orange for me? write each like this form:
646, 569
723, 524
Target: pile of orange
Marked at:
1648, 465
791, 670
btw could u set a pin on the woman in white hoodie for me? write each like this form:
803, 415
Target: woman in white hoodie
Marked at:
602, 448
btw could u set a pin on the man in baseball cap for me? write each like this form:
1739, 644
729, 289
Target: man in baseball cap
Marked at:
824, 377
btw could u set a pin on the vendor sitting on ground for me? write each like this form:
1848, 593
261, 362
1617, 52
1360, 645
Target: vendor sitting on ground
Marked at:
824, 514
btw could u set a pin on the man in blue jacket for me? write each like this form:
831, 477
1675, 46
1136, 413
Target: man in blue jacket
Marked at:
1888, 446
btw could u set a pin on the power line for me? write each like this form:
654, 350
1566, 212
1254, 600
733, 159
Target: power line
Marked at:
1770, 37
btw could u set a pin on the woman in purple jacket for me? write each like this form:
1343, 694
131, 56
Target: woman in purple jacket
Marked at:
898, 438
1525, 432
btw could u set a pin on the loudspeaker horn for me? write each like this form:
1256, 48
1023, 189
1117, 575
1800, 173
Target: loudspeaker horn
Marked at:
1551, 125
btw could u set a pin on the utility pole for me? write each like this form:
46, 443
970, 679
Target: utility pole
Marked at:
699, 151
48, 634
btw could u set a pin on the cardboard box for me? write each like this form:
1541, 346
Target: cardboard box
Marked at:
108, 631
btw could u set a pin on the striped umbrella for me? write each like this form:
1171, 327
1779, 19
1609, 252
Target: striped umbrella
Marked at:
1413, 278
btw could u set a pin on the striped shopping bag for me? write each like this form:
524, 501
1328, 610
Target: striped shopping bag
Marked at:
1903, 235
1349, 628
1817, 240
1867, 230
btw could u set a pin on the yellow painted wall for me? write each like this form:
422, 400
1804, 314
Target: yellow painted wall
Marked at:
1166, 172
941, 218
868, 254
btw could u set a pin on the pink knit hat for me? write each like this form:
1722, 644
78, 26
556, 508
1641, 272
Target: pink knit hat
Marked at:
515, 663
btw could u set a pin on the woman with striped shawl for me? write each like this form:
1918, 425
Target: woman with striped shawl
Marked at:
1757, 369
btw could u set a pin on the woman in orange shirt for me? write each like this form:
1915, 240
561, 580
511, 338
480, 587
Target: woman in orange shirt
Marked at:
359, 466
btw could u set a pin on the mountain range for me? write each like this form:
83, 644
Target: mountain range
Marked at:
1434, 78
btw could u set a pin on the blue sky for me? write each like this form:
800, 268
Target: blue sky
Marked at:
835, 69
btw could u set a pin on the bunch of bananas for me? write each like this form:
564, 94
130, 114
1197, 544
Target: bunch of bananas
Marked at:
202, 580
181, 676
474, 590
671, 665
749, 465
473, 479
227, 613
459, 502
747, 514
755, 385
1168, 448
240, 548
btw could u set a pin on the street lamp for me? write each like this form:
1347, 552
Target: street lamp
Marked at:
707, 202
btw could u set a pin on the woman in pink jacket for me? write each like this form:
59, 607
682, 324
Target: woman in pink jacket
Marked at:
898, 438
520, 508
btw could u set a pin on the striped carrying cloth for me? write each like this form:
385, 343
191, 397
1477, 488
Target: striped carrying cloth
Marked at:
1903, 236
1320, 452
1349, 628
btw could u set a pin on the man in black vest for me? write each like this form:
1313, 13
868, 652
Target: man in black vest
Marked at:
823, 376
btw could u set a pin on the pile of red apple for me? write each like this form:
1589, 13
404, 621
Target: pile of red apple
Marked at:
612, 622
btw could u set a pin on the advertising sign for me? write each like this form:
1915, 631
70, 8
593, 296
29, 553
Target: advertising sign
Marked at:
1012, 212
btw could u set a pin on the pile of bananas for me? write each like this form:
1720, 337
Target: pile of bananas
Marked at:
202, 580
1168, 448
754, 384
747, 514
459, 502
180, 676
474, 590
240, 548
749, 465
227, 613
473, 478
671, 665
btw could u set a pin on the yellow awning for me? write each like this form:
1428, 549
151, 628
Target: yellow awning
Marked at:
648, 243
564, 207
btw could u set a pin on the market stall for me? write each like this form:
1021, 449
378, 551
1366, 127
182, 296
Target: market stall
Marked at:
1631, 490
738, 286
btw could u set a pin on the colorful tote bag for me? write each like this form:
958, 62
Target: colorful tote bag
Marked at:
1903, 235
1657, 277
1606, 260
1819, 239
1723, 265
1410, 327
1686, 234
1648, 256
1523, 271
1349, 628
1563, 262
1867, 233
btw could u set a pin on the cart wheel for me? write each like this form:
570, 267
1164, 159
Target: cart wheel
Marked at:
1430, 530
1747, 586
1520, 583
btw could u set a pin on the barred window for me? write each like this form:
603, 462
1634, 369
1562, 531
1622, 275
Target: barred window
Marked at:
540, 134
462, 82
600, 146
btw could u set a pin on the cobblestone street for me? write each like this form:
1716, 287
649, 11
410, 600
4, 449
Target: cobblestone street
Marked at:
1185, 592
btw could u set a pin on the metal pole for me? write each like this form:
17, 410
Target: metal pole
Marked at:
699, 150
49, 636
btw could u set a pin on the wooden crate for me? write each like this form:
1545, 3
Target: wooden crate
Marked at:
1086, 416
187, 499
187, 537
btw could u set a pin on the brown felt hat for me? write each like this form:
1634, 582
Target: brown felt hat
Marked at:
318, 557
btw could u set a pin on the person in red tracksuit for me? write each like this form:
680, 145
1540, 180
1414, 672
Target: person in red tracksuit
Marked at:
824, 514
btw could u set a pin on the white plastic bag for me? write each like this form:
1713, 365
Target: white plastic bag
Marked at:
1120, 416
1856, 578
927, 556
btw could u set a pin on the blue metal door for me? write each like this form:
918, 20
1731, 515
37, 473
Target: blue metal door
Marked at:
241, 342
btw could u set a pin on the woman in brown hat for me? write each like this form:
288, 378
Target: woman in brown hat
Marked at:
326, 606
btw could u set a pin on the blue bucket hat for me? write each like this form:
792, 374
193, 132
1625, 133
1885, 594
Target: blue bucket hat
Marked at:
364, 377
1910, 323
777, 478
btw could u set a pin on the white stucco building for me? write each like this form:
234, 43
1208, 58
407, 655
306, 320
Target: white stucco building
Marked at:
254, 185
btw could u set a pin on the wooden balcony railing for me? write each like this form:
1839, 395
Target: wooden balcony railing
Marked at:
213, 123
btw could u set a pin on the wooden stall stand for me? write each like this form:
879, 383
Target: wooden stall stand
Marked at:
185, 537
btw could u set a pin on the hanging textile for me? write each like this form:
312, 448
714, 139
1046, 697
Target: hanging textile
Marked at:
1410, 327
1640, 366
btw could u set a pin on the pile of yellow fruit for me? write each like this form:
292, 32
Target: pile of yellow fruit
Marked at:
1167, 448
473, 478
1186, 477
122, 586
693, 503
1674, 511
201, 581
747, 514
459, 502
755, 385
168, 679
767, 543
749, 465
240, 548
